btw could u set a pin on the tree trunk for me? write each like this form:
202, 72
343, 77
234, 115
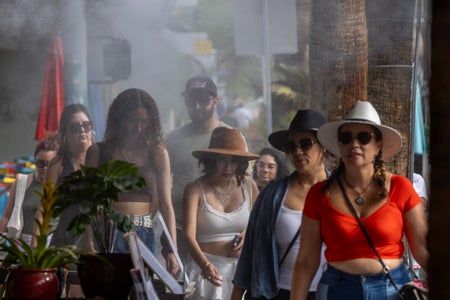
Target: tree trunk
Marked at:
338, 55
390, 27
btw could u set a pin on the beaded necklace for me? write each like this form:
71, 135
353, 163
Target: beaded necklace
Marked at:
222, 197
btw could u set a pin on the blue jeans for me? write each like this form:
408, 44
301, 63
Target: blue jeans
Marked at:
147, 235
337, 285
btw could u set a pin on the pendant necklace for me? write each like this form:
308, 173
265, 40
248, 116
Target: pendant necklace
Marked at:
223, 197
360, 199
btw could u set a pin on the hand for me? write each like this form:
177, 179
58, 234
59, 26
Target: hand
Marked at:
172, 264
236, 251
212, 274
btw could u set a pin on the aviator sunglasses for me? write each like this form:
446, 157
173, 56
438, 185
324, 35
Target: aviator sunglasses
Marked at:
203, 100
76, 127
303, 144
363, 137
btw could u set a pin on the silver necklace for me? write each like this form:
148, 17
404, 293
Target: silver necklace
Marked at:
222, 197
360, 199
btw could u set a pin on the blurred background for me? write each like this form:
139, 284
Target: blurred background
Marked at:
268, 59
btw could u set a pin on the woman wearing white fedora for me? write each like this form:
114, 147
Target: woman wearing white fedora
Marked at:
216, 208
361, 213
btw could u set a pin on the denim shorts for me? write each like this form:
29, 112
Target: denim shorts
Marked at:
337, 285
146, 234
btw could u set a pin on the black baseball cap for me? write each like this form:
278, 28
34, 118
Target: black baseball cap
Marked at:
200, 83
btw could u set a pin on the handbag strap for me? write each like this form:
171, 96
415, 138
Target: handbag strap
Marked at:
291, 244
363, 229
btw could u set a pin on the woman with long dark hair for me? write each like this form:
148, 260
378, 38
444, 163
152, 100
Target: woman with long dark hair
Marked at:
75, 136
134, 134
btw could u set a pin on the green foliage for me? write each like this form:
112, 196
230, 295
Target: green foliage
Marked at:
22, 255
290, 92
94, 190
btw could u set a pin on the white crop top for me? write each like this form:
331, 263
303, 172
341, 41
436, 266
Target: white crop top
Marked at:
214, 226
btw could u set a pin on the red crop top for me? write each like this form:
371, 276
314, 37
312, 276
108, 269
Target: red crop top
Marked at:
341, 233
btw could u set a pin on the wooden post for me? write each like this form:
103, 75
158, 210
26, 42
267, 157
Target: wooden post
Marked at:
439, 215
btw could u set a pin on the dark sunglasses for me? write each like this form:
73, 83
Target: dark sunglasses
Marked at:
203, 101
304, 144
363, 137
40, 163
76, 127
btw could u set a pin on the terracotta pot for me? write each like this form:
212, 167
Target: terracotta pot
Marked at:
106, 275
31, 284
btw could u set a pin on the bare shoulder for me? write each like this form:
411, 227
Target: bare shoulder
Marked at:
193, 186
92, 156
54, 169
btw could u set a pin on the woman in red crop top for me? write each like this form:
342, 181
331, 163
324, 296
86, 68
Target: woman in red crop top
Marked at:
386, 203
133, 133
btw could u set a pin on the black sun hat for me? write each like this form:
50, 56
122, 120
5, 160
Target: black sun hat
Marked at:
304, 120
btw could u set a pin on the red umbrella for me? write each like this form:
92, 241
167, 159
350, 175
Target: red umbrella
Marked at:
52, 100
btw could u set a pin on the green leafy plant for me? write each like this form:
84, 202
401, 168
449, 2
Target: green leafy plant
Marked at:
22, 255
94, 190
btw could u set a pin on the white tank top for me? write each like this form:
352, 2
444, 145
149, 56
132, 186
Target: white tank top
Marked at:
287, 225
214, 226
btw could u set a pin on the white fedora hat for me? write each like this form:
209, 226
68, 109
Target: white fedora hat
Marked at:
362, 112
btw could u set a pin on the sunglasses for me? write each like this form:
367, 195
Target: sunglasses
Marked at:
304, 144
203, 101
40, 163
76, 127
363, 137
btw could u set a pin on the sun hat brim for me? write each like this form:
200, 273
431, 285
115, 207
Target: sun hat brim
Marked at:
328, 137
304, 120
248, 155
278, 138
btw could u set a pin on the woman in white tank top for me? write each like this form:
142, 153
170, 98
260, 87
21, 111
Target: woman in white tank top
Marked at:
216, 209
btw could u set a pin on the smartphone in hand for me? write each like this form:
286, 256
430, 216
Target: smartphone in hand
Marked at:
236, 240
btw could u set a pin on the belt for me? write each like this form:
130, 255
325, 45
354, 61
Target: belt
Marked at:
142, 221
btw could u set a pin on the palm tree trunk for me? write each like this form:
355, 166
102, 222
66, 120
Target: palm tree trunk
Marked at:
391, 57
338, 55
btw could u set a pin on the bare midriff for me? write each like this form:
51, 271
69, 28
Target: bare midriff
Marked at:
365, 265
221, 248
133, 208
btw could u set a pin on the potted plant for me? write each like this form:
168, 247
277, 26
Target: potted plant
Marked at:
35, 267
94, 190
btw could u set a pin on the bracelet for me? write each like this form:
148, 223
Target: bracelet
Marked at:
206, 265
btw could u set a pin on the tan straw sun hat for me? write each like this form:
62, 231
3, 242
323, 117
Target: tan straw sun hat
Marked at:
362, 112
228, 141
